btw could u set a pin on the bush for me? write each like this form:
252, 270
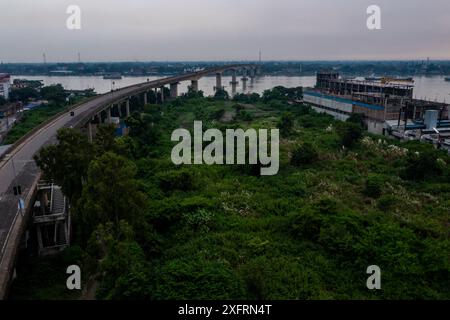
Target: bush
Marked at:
182, 180
357, 118
386, 202
199, 220
218, 114
304, 154
199, 279
245, 115
306, 224
374, 186
349, 133
422, 164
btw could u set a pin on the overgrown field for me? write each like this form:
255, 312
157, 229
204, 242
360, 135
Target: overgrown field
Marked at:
148, 229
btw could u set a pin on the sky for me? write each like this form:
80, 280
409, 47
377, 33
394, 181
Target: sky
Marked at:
193, 30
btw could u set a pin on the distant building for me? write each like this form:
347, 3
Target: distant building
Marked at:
382, 102
5, 85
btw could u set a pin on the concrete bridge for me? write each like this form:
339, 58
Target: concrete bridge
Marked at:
17, 167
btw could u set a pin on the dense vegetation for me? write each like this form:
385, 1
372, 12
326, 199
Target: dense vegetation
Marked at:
57, 102
343, 200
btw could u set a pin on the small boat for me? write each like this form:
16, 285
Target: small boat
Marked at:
447, 79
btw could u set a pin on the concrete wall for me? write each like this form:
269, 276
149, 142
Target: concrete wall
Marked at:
337, 116
375, 127
328, 103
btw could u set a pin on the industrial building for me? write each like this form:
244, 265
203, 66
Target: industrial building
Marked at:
5, 85
387, 104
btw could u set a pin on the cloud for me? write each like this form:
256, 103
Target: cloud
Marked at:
224, 29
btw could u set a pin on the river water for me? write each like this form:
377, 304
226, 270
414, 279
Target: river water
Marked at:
433, 88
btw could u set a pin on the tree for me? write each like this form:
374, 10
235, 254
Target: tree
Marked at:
422, 164
104, 140
221, 95
349, 133
357, 118
55, 93
286, 124
24, 94
67, 162
143, 129
111, 192
125, 273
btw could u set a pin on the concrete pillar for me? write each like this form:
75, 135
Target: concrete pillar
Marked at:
90, 131
194, 85
108, 114
234, 82
234, 76
119, 107
174, 90
244, 79
127, 106
39, 236
218, 81
162, 94
145, 98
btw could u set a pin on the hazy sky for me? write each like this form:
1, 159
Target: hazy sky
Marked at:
149, 30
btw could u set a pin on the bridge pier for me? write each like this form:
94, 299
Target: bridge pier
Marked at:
234, 82
252, 73
145, 98
108, 115
218, 86
162, 94
194, 85
244, 81
127, 106
174, 90
90, 133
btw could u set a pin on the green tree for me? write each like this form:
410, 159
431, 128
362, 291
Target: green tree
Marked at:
67, 162
420, 165
55, 93
105, 139
124, 270
286, 124
221, 95
357, 118
111, 193
350, 133
24, 94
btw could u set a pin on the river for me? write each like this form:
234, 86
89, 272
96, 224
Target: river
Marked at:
430, 88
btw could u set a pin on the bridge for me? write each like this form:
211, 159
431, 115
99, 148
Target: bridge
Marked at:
17, 167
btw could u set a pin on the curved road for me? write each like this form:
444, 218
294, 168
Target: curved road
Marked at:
18, 166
